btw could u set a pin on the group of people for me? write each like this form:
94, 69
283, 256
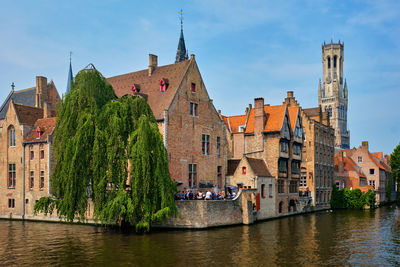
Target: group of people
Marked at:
199, 195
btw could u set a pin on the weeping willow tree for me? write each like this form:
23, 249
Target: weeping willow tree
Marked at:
110, 150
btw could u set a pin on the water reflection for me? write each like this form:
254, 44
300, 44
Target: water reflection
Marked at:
337, 238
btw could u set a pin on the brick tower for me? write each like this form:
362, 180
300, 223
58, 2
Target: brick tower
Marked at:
332, 93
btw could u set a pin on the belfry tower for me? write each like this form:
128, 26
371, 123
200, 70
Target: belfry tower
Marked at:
332, 93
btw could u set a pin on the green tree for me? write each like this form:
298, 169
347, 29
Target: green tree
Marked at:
395, 164
111, 150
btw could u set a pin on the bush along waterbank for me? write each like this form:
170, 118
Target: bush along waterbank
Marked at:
352, 199
109, 150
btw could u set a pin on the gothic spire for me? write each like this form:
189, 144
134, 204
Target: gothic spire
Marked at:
70, 77
181, 52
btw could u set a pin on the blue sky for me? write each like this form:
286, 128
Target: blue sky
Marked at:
244, 49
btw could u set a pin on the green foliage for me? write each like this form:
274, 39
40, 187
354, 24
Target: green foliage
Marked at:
389, 189
395, 164
111, 150
351, 199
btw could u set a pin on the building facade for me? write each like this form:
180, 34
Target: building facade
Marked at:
348, 174
317, 167
193, 132
273, 134
374, 168
18, 115
333, 94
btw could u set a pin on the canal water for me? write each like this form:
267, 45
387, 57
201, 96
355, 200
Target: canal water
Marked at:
324, 238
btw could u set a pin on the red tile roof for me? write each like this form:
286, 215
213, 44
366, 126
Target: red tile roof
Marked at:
150, 85
348, 165
28, 114
46, 127
376, 161
233, 122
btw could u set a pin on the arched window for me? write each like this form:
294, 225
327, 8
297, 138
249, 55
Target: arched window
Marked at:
329, 62
330, 111
334, 61
11, 132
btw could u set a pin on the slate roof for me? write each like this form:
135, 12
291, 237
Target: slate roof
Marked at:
46, 127
150, 85
27, 114
23, 97
259, 167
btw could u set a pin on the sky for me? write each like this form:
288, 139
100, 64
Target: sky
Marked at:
244, 50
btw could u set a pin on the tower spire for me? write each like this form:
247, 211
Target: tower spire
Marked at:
181, 52
70, 77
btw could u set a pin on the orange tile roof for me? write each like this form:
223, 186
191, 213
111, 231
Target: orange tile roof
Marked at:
378, 155
46, 127
233, 122
275, 116
293, 111
28, 114
376, 161
150, 85
348, 165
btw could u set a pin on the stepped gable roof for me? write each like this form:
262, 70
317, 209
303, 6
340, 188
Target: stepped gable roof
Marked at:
232, 165
293, 111
150, 85
24, 97
27, 114
46, 127
259, 167
275, 116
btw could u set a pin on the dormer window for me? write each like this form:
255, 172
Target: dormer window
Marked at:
38, 133
163, 85
241, 128
193, 87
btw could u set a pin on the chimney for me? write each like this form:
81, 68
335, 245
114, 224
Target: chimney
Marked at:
259, 115
364, 144
290, 94
46, 111
41, 91
152, 63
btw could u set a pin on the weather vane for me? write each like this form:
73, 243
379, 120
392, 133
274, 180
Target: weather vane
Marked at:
181, 18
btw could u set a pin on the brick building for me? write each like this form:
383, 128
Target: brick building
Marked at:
274, 134
317, 155
193, 132
374, 167
348, 174
18, 115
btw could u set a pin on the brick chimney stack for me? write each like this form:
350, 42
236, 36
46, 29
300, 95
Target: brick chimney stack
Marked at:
364, 144
259, 115
153, 63
41, 91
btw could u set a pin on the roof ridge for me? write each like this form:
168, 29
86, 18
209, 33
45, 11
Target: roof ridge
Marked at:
26, 89
158, 67
7, 98
27, 106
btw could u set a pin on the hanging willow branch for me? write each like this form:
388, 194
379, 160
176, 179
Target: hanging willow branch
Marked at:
100, 142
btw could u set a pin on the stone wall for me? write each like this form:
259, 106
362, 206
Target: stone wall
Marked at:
211, 213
